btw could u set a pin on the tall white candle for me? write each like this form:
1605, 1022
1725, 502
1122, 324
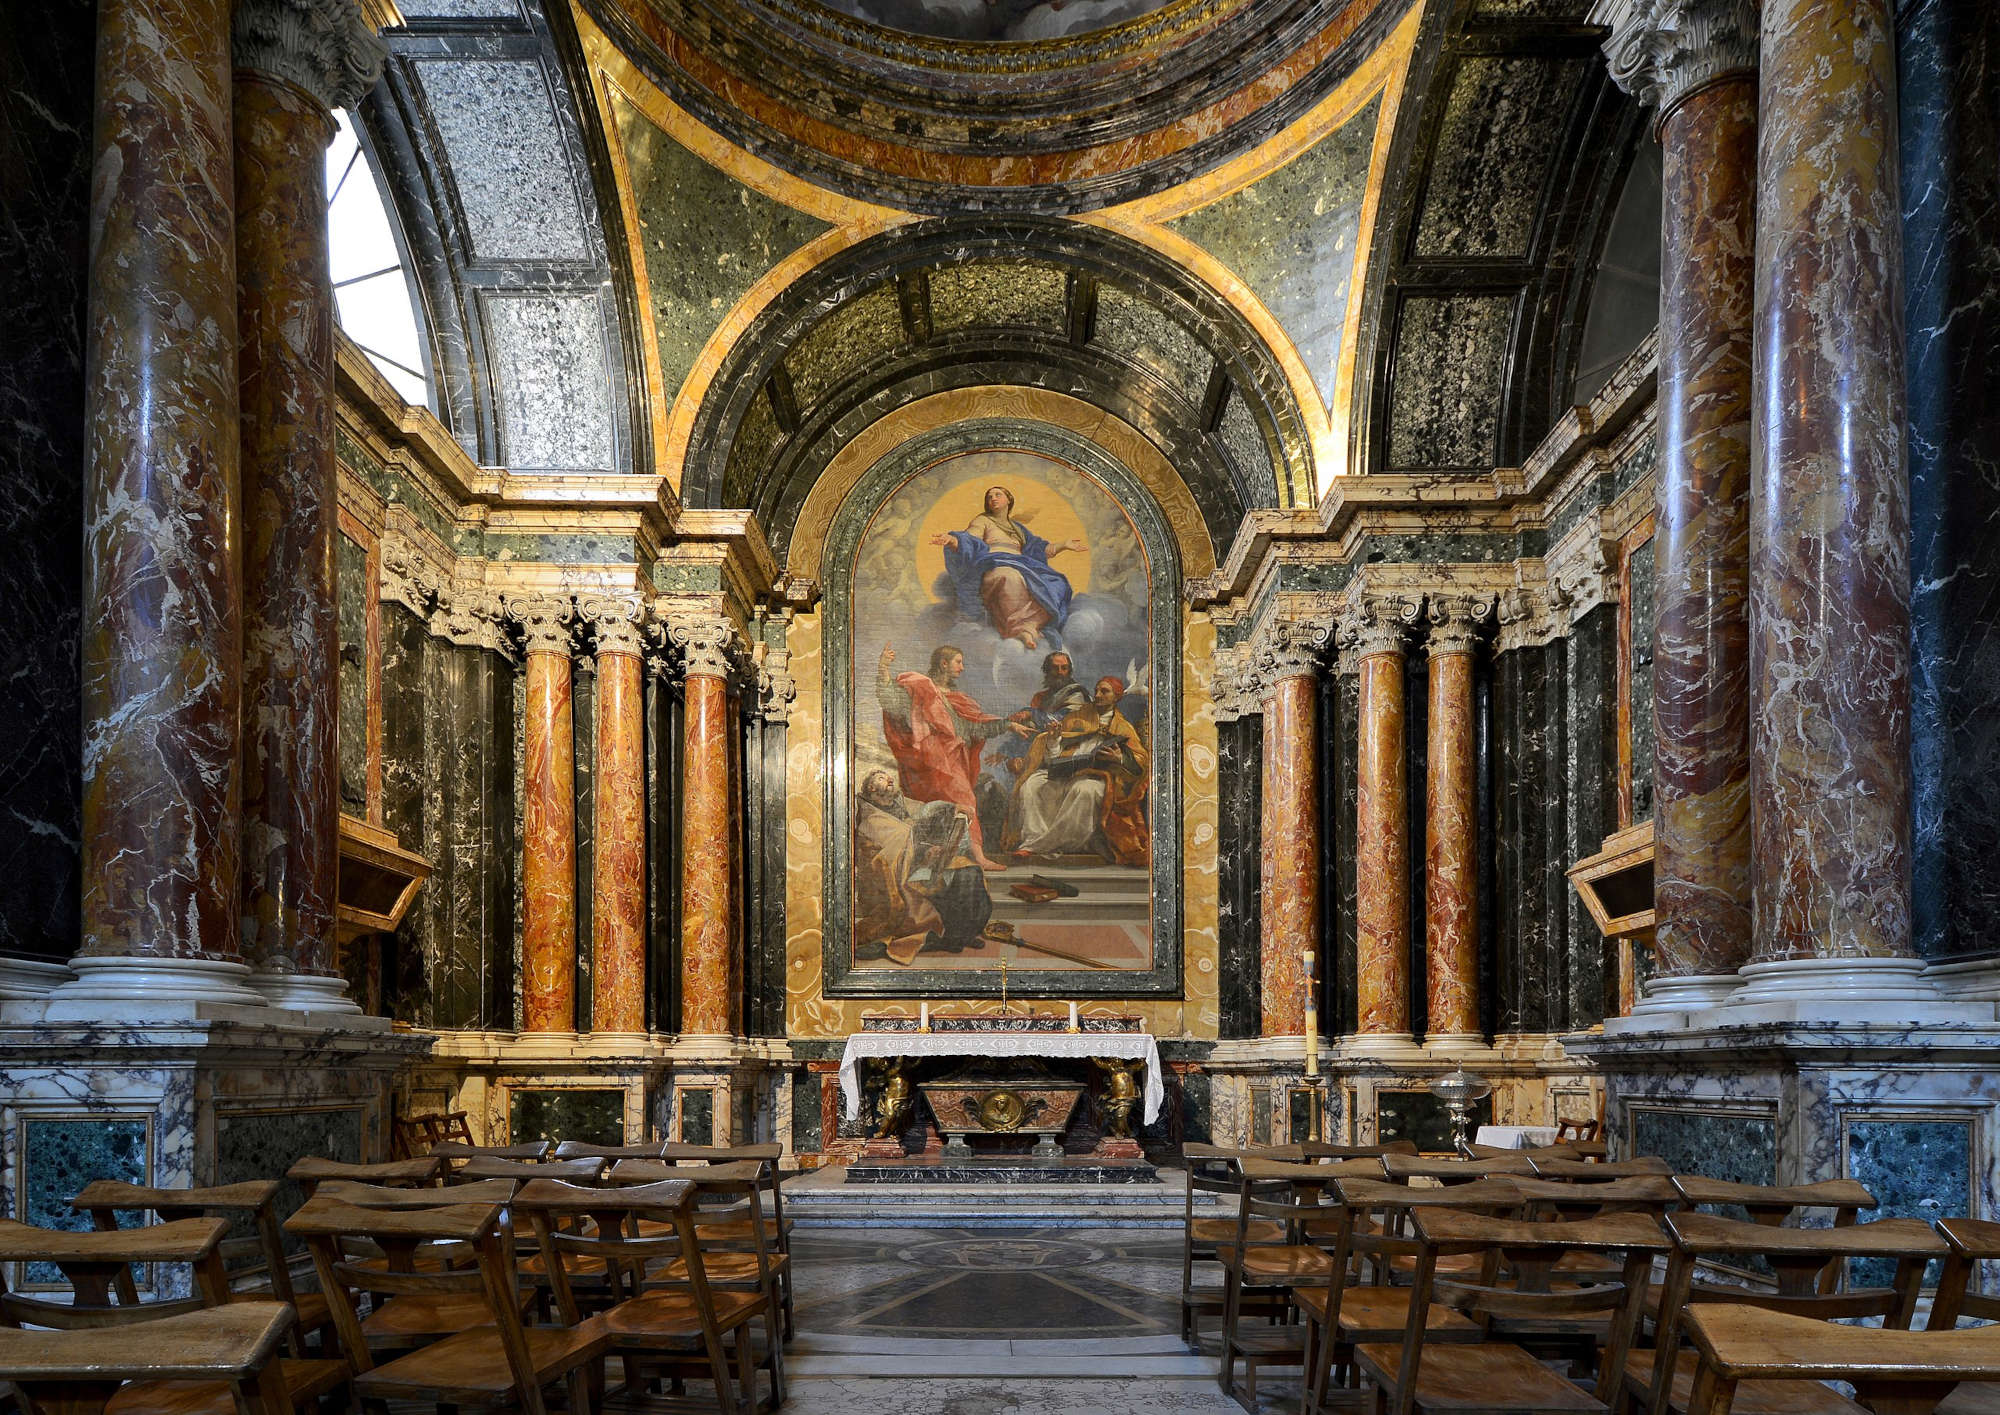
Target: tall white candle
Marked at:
1072, 1017
1312, 1019
923, 1016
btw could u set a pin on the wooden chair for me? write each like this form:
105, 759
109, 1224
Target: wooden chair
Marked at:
1211, 1169
1599, 1171
1806, 1263
256, 1263
232, 1348
1401, 1169
1275, 1270
663, 1311
1473, 1150
576, 1171
1893, 1372
313, 1171
721, 1223
583, 1150
498, 1361
382, 1196
1570, 1128
1775, 1204
1495, 1376
1972, 1241
1313, 1150
457, 1150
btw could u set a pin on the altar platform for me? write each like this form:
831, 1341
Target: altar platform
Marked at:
1001, 1169
823, 1198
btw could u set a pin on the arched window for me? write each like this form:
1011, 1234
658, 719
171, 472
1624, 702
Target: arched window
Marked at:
372, 290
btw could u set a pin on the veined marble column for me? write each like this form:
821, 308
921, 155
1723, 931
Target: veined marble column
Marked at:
708, 955
1696, 60
1374, 636
618, 843
1830, 532
1451, 833
162, 631
548, 822
296, 60
1288, 661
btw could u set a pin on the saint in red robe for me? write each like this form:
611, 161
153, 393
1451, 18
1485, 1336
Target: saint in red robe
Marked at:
937, 759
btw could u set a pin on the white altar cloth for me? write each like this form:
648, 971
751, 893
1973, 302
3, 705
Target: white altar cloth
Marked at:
1122, 1045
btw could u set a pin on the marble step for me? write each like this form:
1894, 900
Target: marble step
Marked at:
821, 1356
835, 1205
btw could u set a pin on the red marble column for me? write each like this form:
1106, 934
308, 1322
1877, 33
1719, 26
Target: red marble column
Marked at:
709, 1004
618, 843
548, 823
1703, 80
1289, 662
1382, 829
162, 627
1451, 834
293, 65
1830, 526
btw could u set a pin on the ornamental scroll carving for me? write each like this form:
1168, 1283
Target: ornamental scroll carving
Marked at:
1660, 51
324, 47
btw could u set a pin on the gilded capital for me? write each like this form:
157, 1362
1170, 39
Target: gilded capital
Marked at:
1456, 621
618, 620
1660, 51
322, 46
545, 623
707, 643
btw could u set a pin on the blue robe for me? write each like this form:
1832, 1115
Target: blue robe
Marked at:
968, 558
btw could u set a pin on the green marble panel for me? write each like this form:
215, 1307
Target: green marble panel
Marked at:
1292, 237
59, 1157
1422, 1117
351, 620
1144, 334
857, 332
707, 239
596, 1117
698, 1116
757, 438
1918, 1169
264, 1144
989, 292
561, 549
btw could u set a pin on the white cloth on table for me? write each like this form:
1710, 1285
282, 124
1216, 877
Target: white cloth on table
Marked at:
1515, 1137
1126, 1046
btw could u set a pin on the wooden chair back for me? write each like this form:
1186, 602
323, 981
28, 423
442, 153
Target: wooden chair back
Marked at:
1598, 1171
95, 1261
258, 1256
1972, 1242
1473, 1150
1571, 1128
770, 1152
1314, 1150
1403, 1168
577, 1171
527, 1151
1652, 1194
312, 1171
584, 1150
1774, 1204
381, 1196
1373, 1223
578, 1226
1890, 1370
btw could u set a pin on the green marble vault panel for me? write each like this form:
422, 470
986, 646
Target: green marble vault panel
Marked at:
60, 1157
707, 239
856, 333
1292, 237
596, 1117
989, 292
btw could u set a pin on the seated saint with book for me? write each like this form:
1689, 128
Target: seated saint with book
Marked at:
1082, 788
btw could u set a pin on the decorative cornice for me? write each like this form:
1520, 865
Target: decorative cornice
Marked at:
708, 644
324, 47
1660, 51
545, 623
1579, 569
618, 620
1373, 624
1233, 690
408, 576
1456, 621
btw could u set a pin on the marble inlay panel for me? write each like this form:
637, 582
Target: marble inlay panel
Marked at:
1146, 336
757, 439
264, 1144
1260, 1115
1423, 1118
567, 1113
698, 1116
1293, 235
988, 292
1493, 153
1918, 1169
60, 1156
497, 120
351, 568
1737, 1146
862, 329
1243, 439
554, 378
1444, 405
1642, 681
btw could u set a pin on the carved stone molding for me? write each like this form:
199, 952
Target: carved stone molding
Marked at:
408, 576
473, 616
1456, 621
1378, 624
545, 623
1579, 571
619, 621
322, 46
1528, 619
775, 685
707, 643
1660, 51
1232, 686
1286, 648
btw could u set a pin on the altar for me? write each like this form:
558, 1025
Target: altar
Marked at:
1018, 1095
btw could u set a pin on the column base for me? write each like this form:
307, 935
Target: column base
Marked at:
1843, 990
305, 992
145, 988
1976, 980
1380, 1044
1451, 1044
25, 979
1667, 1002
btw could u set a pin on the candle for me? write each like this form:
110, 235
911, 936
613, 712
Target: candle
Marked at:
1072, 1017
923, 1016
1312, 1018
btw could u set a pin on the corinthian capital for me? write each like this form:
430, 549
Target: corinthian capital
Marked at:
775, 685
1660, 51
1456, 621
1286, 648
617, 620
1378, 624
545, 623
707, 643
321, 46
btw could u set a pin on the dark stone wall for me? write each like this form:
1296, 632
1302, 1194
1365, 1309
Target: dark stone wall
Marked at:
583, 723
1345, 739
1947, 51
764, 897
46, 55
1590, 762
1527, 836
1239, 869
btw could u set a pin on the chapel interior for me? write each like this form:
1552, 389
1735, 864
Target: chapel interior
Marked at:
977, 654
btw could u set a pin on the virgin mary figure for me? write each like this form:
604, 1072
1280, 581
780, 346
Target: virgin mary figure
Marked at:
1000, 569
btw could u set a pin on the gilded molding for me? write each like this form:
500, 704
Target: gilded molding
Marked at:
323, 47
1660, 51
545, 623
619, 621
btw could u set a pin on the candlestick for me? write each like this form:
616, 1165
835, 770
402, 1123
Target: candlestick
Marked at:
1312, 1018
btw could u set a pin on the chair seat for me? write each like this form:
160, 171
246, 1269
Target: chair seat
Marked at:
1383, 1314
575, 1264
472, 1366
1223, 1230
401, 1320
729, 1267
1486, 1377
668, 1320
738, 1230
1292, 1263
1972, 1400
1752, 1397
305, 1381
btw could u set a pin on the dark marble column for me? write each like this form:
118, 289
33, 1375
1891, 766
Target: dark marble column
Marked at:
548, 823
296, 60
1695, 60
1451, 840
1239, 856
1374, 637
618, 839
708, 953
1287, 660
162, 636
1830, 538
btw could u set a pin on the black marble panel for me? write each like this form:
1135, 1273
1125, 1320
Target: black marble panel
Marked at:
1642, 681
1239, 784
409, 807
764, 829
1260, 1115
596, 1117
1527, 809
251, 1145
663, 856
352, 594
1918, 1169
59, 1157
1444, 402
1591, 762
1493, 152
1949, 131
1421, 1117
698, 1116
808, 1120
46, 85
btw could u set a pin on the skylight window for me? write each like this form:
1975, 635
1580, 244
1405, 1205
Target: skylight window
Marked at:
372, 289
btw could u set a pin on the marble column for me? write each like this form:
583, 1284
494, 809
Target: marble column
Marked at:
1287, 661
1830, 534
618, 842
1451, 827
296, 60
548, 822
1696, 60
162, 643
1373, 636
708, 985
